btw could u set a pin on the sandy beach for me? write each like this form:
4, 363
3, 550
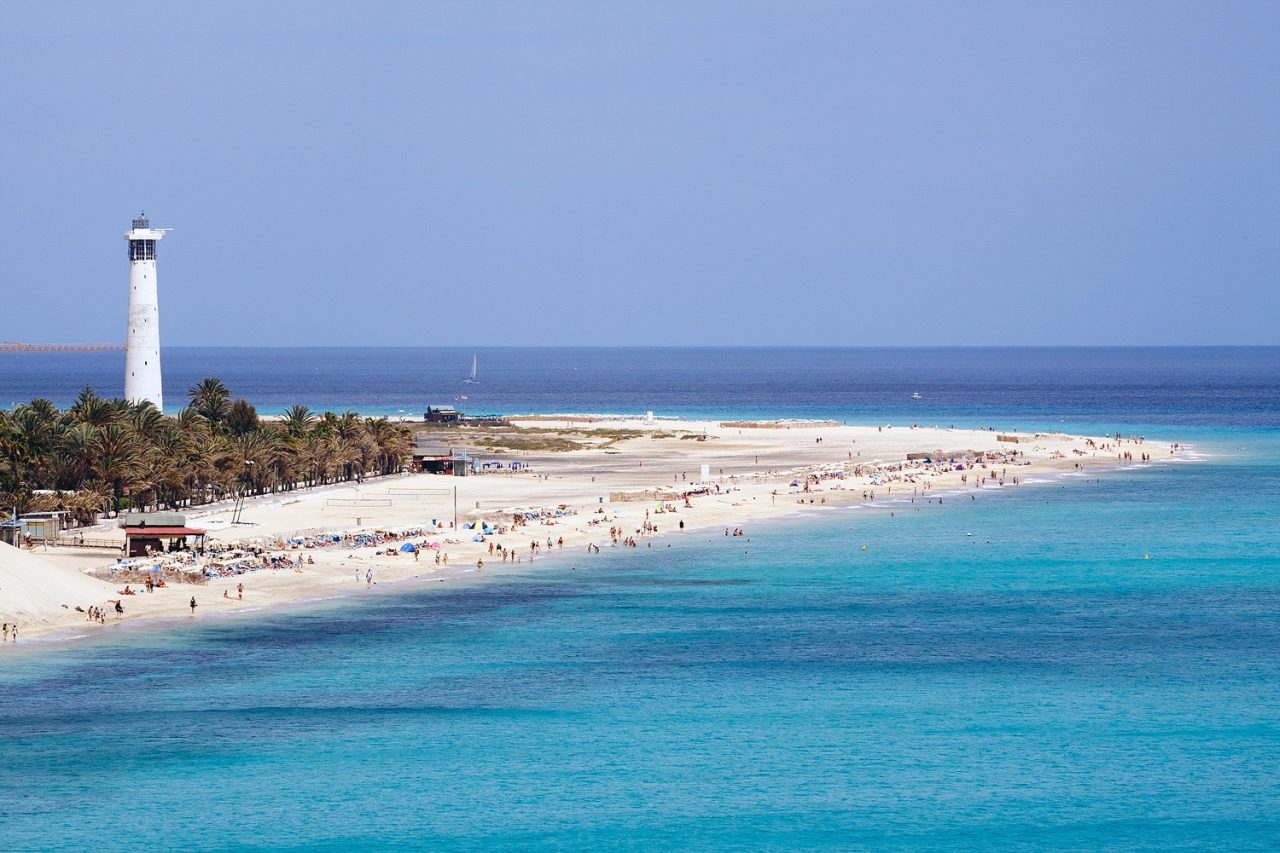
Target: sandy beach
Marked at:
624, 483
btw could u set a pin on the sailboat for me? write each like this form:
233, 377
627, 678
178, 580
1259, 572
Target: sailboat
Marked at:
470, 380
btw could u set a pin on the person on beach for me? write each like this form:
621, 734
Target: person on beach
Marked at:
119, 609
6, 632
193, 605
240, 591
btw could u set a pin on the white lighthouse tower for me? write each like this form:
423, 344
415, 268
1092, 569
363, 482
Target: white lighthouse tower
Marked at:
142, 350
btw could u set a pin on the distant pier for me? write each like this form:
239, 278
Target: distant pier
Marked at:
14, 346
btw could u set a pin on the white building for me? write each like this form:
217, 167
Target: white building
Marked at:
142, 350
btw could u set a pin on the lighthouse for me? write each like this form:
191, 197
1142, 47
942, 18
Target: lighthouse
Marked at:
142, 350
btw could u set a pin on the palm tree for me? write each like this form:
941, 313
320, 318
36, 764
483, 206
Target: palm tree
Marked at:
199, 468
147, 421
283, 458
352, 445
10, 452
75, 452
94, 411
34, 436
116, 460
190, 421
84, 505
298, 420
100, 449
325, 455
245, 461
392, 442
211, 399
44, 409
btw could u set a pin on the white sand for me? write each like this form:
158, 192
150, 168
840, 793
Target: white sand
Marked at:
33, 590
753, 468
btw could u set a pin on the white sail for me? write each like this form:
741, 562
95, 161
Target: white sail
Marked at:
472, 377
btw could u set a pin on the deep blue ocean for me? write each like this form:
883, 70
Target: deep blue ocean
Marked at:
1077, 664
969, 385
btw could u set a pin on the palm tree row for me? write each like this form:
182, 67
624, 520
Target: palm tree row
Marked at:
99, 454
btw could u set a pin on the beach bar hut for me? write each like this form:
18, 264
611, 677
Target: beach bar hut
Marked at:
434, 459
160, 539
42, 526
442, 415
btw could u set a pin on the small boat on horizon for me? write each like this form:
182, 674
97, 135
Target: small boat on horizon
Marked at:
470, 380
915, 395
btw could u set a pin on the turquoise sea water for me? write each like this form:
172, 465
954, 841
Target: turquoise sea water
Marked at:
1083, 663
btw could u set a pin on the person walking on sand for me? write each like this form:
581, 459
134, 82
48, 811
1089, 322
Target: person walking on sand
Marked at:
240, 591
119, 609
6, 632
368, 577
193, 605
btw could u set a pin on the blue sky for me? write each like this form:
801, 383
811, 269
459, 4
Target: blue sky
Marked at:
662, 173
